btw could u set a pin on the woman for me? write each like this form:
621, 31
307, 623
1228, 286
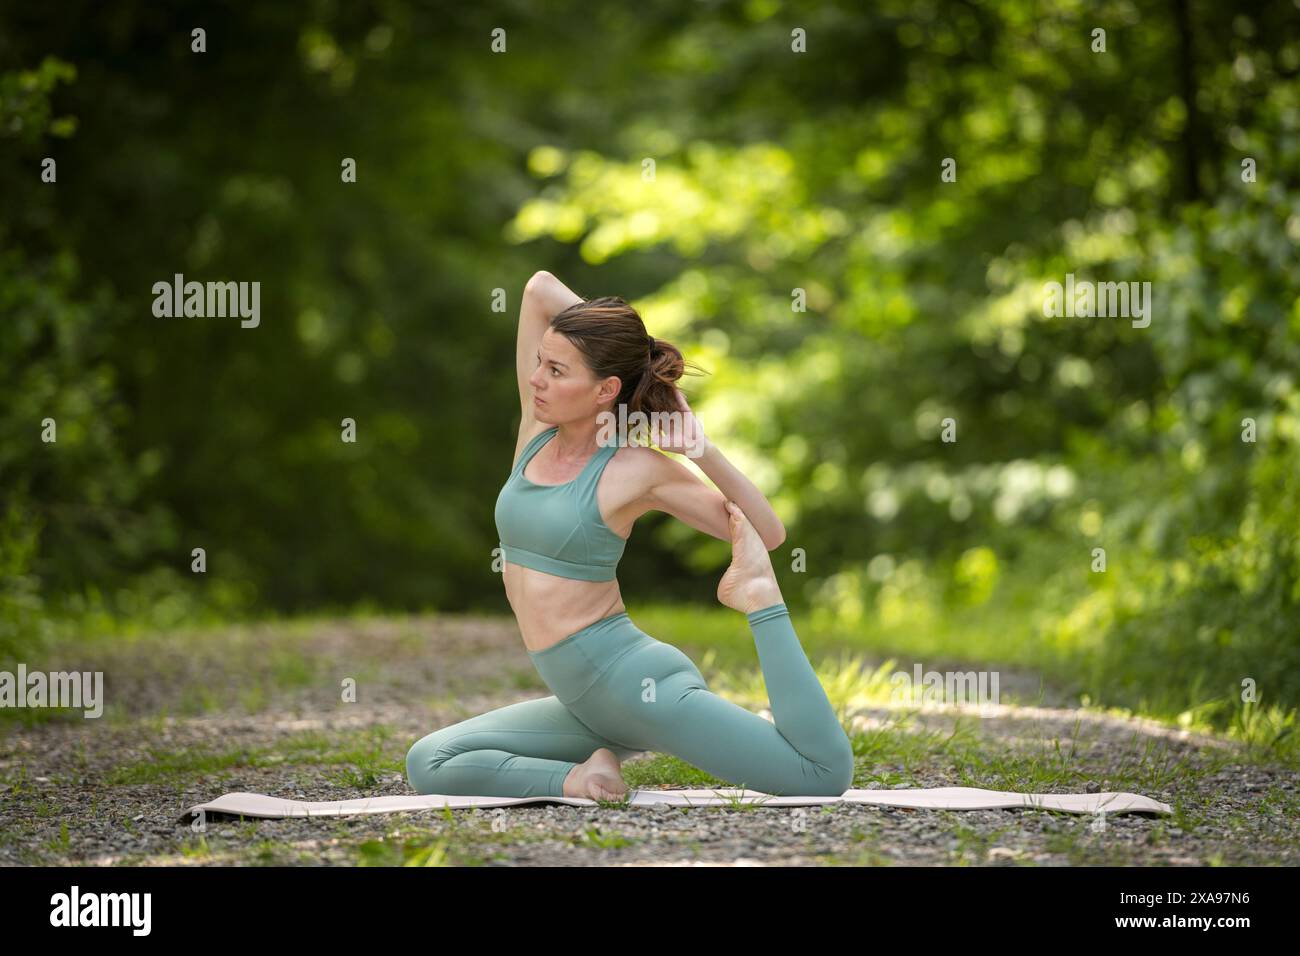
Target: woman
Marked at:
564, 516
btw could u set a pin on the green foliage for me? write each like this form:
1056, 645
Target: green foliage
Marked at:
25, 110
777, 177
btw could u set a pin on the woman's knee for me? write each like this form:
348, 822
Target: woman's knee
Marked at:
423, 760
838, 770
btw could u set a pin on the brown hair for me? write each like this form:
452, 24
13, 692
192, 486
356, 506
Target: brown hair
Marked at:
613, 340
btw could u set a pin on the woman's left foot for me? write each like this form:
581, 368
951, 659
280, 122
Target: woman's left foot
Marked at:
749, 584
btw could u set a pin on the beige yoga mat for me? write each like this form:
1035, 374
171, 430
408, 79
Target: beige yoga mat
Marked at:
937, 798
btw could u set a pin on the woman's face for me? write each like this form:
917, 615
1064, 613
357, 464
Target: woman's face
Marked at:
564, 388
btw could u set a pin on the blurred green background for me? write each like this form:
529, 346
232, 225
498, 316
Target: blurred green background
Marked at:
774, 171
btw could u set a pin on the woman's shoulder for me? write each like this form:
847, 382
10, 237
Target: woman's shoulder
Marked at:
532, 437
631, 450
644, 462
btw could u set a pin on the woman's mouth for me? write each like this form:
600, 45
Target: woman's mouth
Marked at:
538, 401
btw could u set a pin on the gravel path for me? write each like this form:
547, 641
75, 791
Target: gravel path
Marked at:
259, 709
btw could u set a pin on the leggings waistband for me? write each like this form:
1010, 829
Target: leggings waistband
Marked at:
573, 664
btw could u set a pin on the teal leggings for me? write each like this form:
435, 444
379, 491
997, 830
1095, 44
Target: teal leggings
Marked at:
617, 687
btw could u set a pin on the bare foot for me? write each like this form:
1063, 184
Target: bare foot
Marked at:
599, 778
749, 584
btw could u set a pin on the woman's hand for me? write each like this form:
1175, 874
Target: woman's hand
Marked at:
679, 432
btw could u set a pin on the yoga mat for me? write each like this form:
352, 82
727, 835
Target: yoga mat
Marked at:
937, 798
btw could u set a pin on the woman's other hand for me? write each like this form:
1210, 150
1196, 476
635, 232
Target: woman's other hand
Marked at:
679, 432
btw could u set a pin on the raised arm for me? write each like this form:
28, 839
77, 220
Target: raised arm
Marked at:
674, 489
544, 298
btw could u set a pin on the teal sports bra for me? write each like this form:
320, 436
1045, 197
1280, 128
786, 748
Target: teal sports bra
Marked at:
558, 528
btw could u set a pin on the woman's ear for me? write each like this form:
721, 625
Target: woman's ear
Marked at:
610, 388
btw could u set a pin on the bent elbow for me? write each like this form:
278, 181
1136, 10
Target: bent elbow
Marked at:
537, 280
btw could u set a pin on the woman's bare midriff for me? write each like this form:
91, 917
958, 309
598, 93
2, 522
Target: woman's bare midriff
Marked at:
549, 608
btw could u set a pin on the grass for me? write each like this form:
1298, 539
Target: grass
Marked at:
595, 838
466, 840
864, 851
361, 754
854, 666
898, 751
973, 845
